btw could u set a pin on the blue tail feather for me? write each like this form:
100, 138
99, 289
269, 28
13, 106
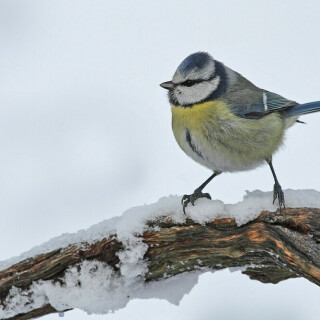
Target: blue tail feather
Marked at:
301, 109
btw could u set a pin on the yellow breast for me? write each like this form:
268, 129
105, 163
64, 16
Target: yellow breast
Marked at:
196, 118
192, 116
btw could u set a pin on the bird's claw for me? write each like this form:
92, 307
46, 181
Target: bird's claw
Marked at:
191, 198
278, 194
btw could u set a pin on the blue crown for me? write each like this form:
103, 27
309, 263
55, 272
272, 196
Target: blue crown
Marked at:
196, 60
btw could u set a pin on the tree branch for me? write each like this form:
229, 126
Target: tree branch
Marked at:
273, 247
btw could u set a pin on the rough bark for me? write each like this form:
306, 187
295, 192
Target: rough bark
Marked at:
274, 247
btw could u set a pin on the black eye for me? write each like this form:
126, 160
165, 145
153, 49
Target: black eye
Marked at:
189, 83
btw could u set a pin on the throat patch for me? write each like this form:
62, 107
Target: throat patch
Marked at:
191, 144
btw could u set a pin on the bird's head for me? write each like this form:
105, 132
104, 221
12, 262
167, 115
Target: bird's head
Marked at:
198, 78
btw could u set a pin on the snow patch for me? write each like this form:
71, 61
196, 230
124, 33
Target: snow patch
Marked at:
95, 287
252, 205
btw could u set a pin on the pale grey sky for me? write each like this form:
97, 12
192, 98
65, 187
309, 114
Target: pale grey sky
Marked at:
85, 129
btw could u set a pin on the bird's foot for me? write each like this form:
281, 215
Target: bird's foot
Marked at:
278, 194
187, 198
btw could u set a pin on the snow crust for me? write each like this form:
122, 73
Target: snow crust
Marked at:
96, 288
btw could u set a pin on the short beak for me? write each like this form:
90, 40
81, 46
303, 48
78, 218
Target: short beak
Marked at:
167, 85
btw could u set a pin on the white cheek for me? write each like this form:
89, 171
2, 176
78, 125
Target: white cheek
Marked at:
196, 93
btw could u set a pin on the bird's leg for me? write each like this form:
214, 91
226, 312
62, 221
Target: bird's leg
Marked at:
277, 191
197, 193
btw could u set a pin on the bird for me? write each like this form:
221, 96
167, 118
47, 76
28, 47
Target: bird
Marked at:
226, 123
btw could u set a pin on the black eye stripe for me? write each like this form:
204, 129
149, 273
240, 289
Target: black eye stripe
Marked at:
189, 83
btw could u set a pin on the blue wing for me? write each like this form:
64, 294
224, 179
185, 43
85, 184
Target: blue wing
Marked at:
302, 109
268, 102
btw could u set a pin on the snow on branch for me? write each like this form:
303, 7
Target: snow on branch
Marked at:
152, 249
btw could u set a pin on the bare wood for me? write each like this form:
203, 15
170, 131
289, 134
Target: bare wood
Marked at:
274, 247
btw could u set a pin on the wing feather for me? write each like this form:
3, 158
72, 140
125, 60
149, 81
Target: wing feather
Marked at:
268, 102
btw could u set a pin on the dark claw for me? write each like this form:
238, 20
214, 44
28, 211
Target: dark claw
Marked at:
206, 195
185, 197
278, 193
191, 198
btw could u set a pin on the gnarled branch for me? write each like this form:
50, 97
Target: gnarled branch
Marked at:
273, 247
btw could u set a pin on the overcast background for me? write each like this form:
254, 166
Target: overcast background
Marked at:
85, 129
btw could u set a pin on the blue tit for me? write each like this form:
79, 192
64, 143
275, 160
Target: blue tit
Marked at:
224, 122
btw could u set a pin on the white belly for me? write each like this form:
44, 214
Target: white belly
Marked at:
214, 159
